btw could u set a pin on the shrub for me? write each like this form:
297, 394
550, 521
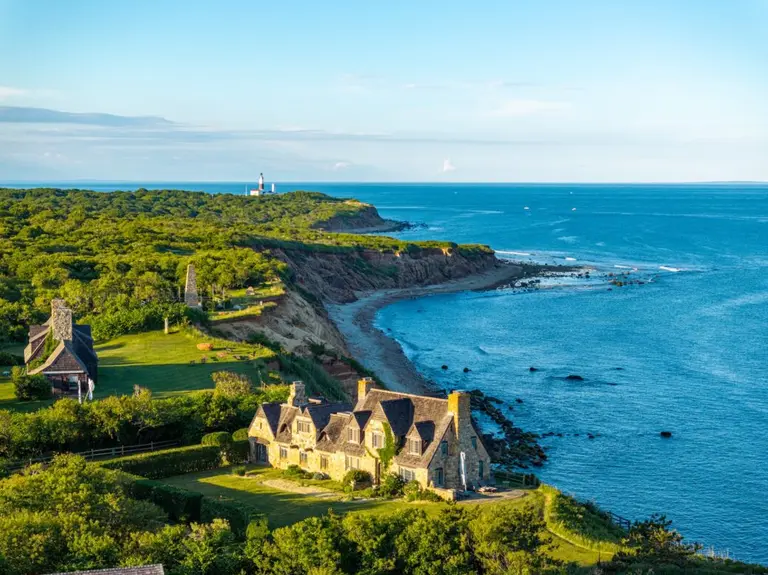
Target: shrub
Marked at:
220, 438
414, 492
354, 477
238, 451
28, 387
319, 476
232, 384
296, 472
391, 486
239, 470
180, 504
238, 517
160, 464
240, 435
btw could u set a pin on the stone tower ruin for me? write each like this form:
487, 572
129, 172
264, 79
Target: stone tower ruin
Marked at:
191, 298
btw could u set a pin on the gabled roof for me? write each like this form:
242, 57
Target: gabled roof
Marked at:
63, 358
360, 418
398, 413
270, 412
320, 413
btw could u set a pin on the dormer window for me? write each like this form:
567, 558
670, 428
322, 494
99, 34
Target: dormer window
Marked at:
353, 435
302, 426
414, 447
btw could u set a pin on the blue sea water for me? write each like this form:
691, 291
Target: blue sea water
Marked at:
685, 352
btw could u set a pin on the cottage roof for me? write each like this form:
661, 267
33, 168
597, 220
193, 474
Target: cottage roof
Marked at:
270, 412
76, 355
321, 413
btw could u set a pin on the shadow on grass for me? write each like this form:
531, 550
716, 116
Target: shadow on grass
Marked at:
280, 507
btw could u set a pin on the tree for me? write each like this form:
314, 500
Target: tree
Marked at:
652, 541
232, 384
510, 541
29, 387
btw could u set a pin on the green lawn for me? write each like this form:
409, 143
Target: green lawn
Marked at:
284, 508
159, 362
162, 362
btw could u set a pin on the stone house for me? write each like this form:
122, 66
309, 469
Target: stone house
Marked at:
62, 351
431, 440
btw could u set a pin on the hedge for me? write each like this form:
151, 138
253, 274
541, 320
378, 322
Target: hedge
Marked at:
238, 517
238, 452
160, 464
218, 438
180, 504
240, 435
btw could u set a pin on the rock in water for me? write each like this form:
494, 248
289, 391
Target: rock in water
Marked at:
573, 377
443, 366
467, 370
666, 434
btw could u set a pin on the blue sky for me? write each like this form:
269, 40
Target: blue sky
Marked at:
515, 90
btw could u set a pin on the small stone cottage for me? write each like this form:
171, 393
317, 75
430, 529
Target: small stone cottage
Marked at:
62, 351
427, 439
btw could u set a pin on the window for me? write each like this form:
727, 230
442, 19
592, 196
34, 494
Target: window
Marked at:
302, 458
302, 426
444, 447
480, 469
353, 435
438, 480
407, 474
283, 453
414, 447
351, 462
323, 462
474, 442
260, 425
377, 440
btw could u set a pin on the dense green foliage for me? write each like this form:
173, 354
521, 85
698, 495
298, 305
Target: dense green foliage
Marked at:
169, 462
232, 384
127, 420
222, 439
240, 434
109, 254
28, 387
581, 523
179, 504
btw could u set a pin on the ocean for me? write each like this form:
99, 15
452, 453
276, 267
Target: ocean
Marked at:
686, 351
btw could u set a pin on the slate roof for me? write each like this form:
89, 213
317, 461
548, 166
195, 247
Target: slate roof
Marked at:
75, 355
407, 415
144, 570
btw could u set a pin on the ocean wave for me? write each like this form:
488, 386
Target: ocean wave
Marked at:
670, 269
512, 253
570, 259
568, 239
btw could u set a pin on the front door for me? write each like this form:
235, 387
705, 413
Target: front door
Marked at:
261, 453
377, 479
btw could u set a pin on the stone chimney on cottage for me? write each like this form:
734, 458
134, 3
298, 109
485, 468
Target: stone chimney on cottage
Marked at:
459, 407
297, 397
191, 297
364, 386
61, 320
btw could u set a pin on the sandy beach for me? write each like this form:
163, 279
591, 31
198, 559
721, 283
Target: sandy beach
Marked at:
383, 355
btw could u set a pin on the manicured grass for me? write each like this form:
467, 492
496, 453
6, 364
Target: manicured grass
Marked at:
162, 362
280, 507
284, 508
159, 362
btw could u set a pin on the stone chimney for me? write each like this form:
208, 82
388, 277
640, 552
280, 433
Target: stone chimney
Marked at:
364, 385
297, 396
459, 407
61, 320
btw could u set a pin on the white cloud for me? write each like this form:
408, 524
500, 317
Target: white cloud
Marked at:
8, 92
341, 166
448, 166
515, 108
